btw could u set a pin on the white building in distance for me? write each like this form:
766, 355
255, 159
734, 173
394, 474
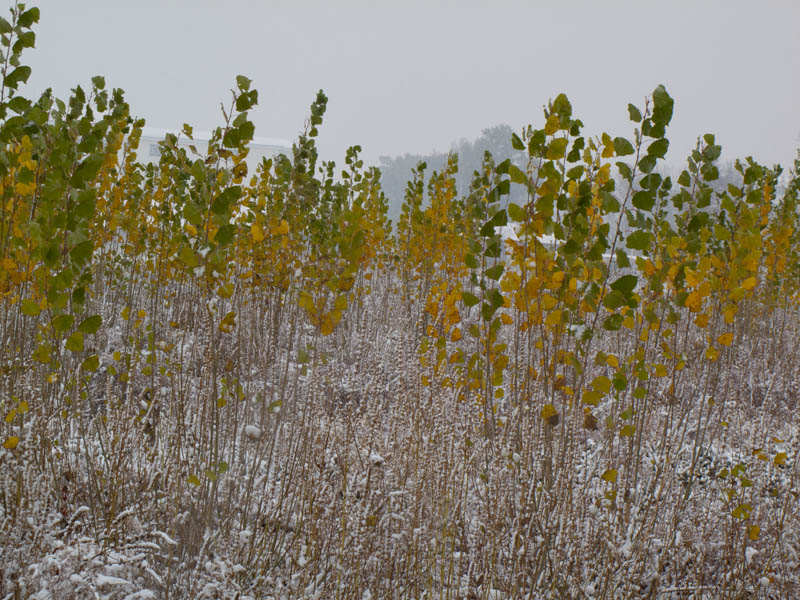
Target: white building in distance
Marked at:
150, 151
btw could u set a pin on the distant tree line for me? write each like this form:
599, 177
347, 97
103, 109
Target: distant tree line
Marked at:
395, 170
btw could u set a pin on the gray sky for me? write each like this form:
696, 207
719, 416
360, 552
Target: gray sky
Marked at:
410, 76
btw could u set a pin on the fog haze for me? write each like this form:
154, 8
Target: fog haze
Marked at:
412, 77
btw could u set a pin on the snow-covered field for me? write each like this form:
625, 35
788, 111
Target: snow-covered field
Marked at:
270, 462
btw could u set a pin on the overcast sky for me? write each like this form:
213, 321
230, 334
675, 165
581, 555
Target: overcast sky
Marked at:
410, 77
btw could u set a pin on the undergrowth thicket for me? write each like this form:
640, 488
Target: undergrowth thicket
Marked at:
221, 379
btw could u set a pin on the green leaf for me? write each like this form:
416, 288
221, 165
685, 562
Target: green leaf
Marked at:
495, 298
42, 353
625, 284
19, 104
87, 170
471, 261
91, 363
613, 322
495, 272
499, 219
5, 26
62, 323
29, 17
487, 311
188, 257
225, 234
469, 299
622, 259
30, 308
516, 213
91, 324
644, 200
75, 342
622, 147
17, 76
613, 300
634, 114
658, 149
647, 163
556, 148
638, 240
222, 203
663, 105
243, 83
516, 174
697, 222
516, 142
81, 254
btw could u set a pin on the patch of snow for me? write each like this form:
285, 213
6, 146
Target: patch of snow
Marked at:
109, 580
252, 432
165, 537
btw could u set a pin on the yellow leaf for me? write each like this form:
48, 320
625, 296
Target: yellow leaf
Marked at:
9, 265
610, 475
549, 414
23, 407
506, 319
753, 532
694, 302
456, 335
601, 384
701, 320
552, 124
341, 302
553, 318
726, 339
225, 290
11, 415
228, 322
548, 301
283, 228
330, 321
306, 302
749, 283
190, 229
591, 397
256, 232
612, 361
780, 458
11, 443
661, 371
